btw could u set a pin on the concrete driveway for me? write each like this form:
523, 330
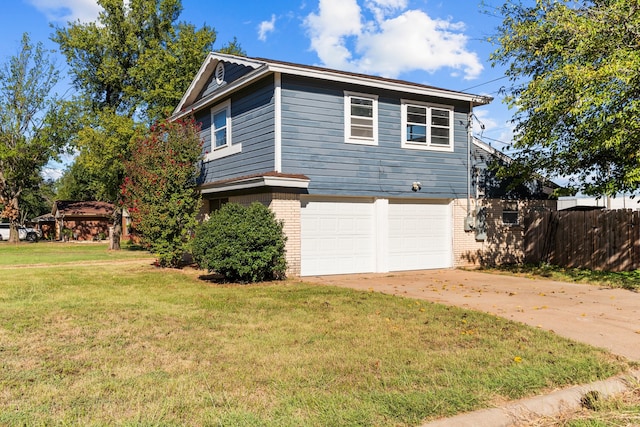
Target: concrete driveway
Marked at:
606, 318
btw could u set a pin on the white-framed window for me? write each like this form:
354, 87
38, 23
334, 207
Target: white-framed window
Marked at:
221, 142
427, 126
360, 118
510, 213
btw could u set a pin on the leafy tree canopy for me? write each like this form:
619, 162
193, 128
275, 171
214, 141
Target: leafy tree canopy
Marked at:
159, 188
130, 68
32, 128
574, 67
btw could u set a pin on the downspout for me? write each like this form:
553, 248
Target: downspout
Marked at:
278, 121
468, 221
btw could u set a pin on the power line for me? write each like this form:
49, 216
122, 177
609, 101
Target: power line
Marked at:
485, 83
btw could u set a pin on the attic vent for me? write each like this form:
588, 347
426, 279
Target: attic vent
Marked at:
220, 73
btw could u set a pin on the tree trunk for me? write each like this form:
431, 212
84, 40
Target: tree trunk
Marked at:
12, 212
115, 231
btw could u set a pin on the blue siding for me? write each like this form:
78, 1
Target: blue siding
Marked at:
313, 144
252, 125
232, 73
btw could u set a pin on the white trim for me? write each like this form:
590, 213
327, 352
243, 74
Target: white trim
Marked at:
381, 212
260, 181
219, 73
404, 103
277, 95
336, 76
264, 67
350, 139
229, 148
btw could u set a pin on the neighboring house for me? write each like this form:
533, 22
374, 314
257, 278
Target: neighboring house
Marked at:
47, 226
368, 174
85, 220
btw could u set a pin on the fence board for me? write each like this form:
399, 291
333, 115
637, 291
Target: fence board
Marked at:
598, 240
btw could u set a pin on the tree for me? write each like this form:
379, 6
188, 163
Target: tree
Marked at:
159, 188
574, 67
131, 68
31, 132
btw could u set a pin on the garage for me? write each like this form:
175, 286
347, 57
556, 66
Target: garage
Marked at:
342, 236
337, 237
419, 236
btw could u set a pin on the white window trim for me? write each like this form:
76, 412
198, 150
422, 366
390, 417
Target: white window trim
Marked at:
422, 145
229, 148
347, 119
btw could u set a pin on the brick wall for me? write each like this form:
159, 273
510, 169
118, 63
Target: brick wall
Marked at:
504, 244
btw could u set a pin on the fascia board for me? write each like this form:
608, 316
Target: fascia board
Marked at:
227, 90
206, 69
380, 84
263, 181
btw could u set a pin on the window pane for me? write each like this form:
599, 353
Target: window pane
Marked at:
439, 136
440, 117
221, 137
361, 131
416, 133
220, 119
416, 115
361, 107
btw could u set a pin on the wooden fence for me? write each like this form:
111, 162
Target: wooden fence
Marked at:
597, 240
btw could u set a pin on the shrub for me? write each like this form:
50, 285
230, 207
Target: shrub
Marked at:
244, 244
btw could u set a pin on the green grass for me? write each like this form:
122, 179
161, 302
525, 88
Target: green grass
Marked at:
130, 344
23, 253
624, 279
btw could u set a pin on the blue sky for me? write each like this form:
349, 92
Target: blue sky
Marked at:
436, 42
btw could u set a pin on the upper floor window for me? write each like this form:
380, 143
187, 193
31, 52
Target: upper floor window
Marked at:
220, 124
426, 126
221, 142
361, 118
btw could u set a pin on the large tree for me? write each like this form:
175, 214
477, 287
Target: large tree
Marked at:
574, 67
31, 130
159, 188
130, 68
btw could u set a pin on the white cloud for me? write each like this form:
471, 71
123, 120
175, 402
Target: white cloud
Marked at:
63, 11
266, 27
328, 30
396, 40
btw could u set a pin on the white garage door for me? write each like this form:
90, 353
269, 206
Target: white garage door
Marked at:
419, 236
337, 237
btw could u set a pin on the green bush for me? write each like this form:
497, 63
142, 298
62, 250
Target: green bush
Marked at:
244, 244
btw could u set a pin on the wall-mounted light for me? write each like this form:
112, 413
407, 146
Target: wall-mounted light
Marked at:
416, 186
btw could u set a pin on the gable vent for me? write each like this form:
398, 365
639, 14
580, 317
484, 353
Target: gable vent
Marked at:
220, 73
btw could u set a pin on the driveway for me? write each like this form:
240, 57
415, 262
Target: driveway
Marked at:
607, 318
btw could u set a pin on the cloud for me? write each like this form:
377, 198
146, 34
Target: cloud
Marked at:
63, 11
266, 27
387, 39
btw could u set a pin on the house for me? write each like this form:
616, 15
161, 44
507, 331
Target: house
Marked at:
82, 220
368, 174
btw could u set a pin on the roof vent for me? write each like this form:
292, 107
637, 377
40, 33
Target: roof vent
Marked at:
220, 73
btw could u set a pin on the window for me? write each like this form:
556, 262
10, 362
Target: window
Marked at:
361, 119
427, 127
220, 120
221, 143
510, 213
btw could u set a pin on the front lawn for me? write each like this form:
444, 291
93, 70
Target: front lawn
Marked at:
130, 344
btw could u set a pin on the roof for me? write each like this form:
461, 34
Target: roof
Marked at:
266, 179
82, 208
264, 67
